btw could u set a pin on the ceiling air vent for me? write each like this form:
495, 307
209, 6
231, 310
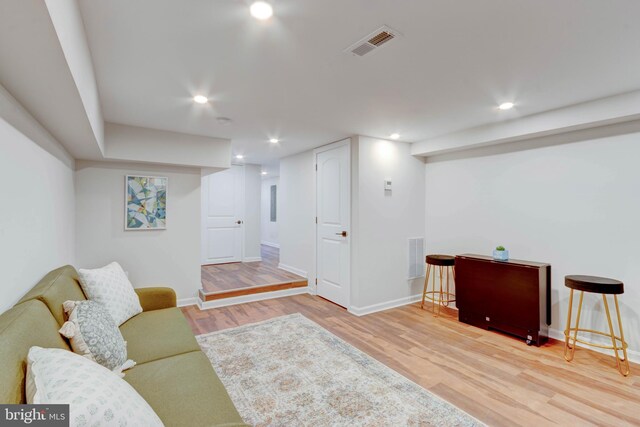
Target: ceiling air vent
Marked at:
373, 41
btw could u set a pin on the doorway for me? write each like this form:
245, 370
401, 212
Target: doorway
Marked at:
239, 212
333, 218
222, 216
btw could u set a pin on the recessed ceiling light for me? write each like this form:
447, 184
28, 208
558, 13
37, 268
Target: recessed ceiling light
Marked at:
394, 136
200, 99
264, 173
261, 10
506, 106
274, 140
239, 157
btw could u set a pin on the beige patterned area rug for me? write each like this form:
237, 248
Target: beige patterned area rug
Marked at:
289, 371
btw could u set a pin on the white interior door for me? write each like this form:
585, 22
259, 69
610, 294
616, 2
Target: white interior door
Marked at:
222, 210
333, 229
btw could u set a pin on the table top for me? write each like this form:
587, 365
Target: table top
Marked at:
509, 261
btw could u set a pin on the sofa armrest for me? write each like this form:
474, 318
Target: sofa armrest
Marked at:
156, 298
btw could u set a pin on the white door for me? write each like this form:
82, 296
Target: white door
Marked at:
333, 229
222, 210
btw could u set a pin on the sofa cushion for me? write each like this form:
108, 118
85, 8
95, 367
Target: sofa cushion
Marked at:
184, 391
55, 288
156, 334
21, 327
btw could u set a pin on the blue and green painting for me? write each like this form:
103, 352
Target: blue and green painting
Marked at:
146, 203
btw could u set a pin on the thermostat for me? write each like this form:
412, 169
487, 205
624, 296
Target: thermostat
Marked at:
387, 185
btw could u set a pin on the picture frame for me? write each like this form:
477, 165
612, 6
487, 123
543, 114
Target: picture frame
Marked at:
145, 202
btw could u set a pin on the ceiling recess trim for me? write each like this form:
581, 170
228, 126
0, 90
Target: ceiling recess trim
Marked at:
373, 41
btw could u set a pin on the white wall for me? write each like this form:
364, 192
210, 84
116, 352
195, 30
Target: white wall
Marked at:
144, 145
168, 257
37, 214
384, 221
268, 229
296, 213
576, 206
252, 184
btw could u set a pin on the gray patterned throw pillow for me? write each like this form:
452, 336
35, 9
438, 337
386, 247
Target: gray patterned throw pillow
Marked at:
94, 334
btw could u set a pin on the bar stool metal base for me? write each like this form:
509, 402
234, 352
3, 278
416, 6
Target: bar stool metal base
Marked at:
618, 344
443, 296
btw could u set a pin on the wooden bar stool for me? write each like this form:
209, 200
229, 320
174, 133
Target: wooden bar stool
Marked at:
597, 285
442, 297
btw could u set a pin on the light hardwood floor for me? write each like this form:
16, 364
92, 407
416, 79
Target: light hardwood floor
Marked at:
496, 378
242, 275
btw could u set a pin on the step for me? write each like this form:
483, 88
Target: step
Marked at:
250, 290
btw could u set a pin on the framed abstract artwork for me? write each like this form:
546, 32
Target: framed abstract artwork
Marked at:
146, 202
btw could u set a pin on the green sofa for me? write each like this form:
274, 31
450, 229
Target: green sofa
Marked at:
172, 374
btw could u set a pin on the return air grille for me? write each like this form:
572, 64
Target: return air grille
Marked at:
416, 258
373, 41
363, 49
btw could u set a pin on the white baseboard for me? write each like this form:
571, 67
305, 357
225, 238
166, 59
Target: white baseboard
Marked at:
273, 245
252, 259
293, 270
362, 311
224, 302
634, 355
188, 301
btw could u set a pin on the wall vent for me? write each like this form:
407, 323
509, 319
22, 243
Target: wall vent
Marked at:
416, 258
373, 41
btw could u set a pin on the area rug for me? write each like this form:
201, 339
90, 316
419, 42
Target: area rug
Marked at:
289, 371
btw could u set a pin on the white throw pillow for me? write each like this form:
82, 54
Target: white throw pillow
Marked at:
110, 287
93, 334
96, 396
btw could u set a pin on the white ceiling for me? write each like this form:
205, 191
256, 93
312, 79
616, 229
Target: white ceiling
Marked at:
34, 69
289, 77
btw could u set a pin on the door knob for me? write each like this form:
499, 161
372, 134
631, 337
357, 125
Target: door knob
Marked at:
238, 222
343, 234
